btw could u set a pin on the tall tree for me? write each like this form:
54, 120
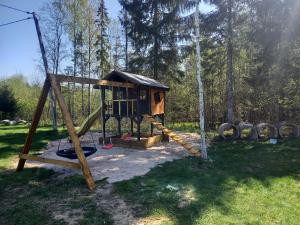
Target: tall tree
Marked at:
153, 30
52, 20
125, 23
102, 41
229, 62
8, 103
200, 85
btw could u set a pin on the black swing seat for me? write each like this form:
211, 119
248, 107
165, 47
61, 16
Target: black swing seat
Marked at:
71, 154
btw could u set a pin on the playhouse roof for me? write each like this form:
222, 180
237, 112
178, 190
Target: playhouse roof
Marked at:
135, 79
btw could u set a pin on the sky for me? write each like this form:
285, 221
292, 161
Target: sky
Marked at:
19, 49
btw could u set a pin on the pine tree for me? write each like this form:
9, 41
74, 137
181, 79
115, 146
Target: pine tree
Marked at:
8, 103
125, 23
102, 41
153, 30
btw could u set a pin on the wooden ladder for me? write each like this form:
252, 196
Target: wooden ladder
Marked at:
192, 150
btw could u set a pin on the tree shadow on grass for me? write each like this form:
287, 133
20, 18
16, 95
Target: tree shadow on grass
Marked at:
40, 196
244, 169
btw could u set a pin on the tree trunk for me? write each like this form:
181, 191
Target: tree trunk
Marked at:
155, 47
200, 85
229, 83
126, 42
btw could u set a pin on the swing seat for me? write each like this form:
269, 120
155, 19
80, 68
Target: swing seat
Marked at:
71, 154
107, 146
126, 137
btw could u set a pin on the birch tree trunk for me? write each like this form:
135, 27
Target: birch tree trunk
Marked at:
229, 84
200, 85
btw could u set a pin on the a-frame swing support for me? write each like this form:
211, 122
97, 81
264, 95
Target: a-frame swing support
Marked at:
51, 82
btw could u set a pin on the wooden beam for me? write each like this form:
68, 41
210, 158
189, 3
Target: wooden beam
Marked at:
81, 80
72, 165
114, 84
72, 132
34, 123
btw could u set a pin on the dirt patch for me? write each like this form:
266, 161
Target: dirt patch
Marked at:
70, 217
153, 220
121, 213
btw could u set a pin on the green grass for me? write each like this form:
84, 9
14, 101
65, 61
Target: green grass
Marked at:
245, 183
12, 139
36, 196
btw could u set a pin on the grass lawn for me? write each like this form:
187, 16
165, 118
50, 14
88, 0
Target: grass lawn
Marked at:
245, 183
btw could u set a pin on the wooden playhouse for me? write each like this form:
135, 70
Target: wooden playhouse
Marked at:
132, 96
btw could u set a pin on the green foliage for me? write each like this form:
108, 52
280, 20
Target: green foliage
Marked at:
8, 103
153, 30
25, 94
102, 42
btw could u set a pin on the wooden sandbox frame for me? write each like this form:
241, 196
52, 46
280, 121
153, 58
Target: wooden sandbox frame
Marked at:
146, 141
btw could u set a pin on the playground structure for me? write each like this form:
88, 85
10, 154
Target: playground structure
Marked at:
259, 131
133, 96
130, 96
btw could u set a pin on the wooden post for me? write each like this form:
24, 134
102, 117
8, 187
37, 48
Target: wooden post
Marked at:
151, 129
150, 110
103, 112
73, 135
119, 118
138, 114
35, 122
131, 125
163, 122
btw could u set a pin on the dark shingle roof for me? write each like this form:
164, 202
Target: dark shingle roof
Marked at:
135, 79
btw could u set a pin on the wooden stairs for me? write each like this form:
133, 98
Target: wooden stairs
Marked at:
190, 148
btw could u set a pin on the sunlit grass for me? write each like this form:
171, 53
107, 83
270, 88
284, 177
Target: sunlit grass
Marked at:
246, 183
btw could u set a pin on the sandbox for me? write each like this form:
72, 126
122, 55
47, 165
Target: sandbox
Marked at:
118, 163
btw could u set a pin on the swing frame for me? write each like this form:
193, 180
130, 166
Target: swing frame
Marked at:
53, 82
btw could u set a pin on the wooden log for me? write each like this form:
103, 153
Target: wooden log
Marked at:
114, 84
80, 80
73, 135
72, 165
35, 122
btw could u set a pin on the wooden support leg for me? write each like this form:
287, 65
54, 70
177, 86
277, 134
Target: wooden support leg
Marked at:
119, 124
103, 127
163, 121
103, 113
131, 125
35, 122
73, 135
151, 129
139, 120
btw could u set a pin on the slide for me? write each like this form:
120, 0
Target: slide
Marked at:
88, 122
192, 150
